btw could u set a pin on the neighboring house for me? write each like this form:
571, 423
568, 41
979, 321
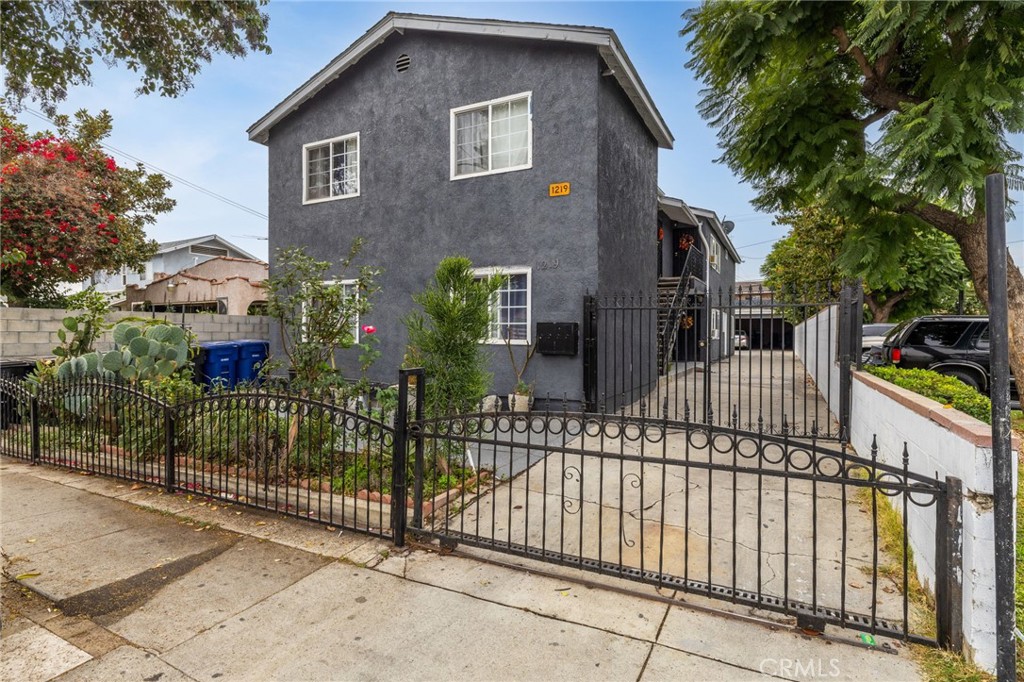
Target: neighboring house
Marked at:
229, 286
530, 148
170, 257
687, 231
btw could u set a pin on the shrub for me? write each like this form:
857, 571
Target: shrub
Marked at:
944, 389
445, 338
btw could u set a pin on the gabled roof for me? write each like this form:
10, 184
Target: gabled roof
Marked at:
605, 40
677, 209
716, 226
166, 247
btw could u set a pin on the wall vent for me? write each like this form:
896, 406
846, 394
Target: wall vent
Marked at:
402, 63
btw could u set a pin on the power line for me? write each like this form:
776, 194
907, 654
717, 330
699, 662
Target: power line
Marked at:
178, 178
766, 241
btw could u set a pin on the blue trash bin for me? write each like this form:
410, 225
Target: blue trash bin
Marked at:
219, 363
252, 353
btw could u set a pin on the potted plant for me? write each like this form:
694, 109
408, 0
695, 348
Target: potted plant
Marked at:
522, 397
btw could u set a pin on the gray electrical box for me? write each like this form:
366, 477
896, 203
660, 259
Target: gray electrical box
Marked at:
558, 338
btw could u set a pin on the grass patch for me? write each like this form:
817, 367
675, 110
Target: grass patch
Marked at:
937, 665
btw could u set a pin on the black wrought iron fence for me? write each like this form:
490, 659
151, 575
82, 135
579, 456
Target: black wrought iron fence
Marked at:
328, 459
730, 357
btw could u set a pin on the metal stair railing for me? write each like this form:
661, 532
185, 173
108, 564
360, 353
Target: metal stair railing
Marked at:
667, 335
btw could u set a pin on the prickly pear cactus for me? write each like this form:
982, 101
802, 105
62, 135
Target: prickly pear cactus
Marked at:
153, 352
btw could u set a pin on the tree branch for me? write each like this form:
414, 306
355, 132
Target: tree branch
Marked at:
877, 116
858, 54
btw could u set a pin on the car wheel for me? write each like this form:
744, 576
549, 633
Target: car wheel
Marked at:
965, 377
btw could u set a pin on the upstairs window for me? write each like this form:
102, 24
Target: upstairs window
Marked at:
492, 137
716, 254
330, 169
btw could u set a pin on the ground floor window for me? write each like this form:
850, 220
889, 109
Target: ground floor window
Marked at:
510, 305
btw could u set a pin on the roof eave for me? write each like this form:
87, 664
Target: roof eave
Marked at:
606, 42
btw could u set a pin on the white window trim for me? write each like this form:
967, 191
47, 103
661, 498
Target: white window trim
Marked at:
479, 105
512, 270
716, 254
716, 324
332, 282
305, 168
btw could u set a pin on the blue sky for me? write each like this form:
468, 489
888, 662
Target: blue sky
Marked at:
201, 135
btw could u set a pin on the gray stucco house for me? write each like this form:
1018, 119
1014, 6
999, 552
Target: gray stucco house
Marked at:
529, 148
682, 228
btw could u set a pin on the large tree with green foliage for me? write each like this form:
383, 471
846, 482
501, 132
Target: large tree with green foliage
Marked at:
69, 210
884, 111
50, 46
925, 276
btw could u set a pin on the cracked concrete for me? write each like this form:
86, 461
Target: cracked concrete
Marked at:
270, 597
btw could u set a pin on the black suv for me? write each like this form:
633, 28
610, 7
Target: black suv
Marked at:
955, 345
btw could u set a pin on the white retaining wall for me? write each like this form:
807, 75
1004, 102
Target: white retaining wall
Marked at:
940, 442
944, 442
815, 341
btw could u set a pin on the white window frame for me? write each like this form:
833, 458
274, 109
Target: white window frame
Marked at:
305, 168
716, 254
486, 273
716, 324
354, 283
490, 103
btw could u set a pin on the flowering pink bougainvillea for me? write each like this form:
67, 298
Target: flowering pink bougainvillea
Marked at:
369, 329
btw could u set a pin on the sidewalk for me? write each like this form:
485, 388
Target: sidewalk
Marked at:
127, 582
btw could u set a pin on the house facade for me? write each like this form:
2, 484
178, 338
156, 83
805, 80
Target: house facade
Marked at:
170, 257
684, 232
221, 285
529, 148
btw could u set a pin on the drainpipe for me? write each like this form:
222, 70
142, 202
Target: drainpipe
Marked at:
707, 257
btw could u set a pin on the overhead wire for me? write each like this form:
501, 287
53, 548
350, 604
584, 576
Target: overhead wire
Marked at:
157, 169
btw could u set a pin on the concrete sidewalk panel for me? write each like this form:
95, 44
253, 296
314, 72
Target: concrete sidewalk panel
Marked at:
568, 601
782, 653
669, 665
34, 654
353, 623
151, 541
228, 584
125, 663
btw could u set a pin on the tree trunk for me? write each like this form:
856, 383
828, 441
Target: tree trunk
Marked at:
974, 251
880, 312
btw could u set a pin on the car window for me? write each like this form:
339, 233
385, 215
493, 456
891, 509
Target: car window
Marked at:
896, 331
937, 334
981, 342
876, 329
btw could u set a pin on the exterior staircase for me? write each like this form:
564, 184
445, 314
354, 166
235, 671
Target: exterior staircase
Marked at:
672, 295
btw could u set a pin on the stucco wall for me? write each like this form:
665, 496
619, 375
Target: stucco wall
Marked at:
411, 213
32, 332
815, 342
943, 442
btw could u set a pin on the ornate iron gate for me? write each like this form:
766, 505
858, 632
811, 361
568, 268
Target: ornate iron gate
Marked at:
729, 357
771, 521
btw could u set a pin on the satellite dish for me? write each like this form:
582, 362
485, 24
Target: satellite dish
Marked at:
728, 226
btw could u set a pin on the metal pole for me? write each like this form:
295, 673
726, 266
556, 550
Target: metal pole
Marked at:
1002, 464
398, 460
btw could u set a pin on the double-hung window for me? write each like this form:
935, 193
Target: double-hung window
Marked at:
716, 324
330, 169
716, 254
492, 137
510, 305
350, 290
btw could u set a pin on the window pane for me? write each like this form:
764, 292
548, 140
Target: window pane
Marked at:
471, 145
518, 158
521, 107
500, 161
937, 333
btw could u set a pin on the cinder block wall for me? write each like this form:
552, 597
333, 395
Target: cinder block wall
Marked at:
32, 332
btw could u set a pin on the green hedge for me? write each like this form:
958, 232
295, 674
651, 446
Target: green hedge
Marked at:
939, 387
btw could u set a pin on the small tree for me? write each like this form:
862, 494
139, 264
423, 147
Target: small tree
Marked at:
444, 339
316, 314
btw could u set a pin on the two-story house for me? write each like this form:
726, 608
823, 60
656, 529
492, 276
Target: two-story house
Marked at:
529, 148
688, 232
